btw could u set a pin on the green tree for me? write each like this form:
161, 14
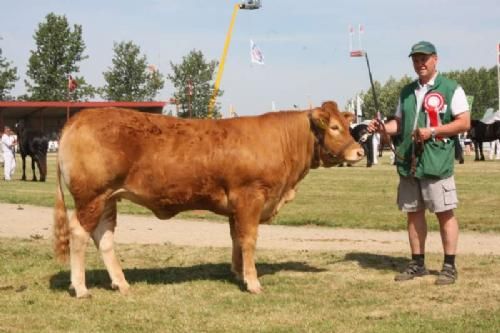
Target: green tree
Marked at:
8, 77
130, 78
59, 49
192, 80
387, 96
482, 84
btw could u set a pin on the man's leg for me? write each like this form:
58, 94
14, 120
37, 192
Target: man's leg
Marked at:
7, 161
12, 166
448, 226
417, 231
417, 234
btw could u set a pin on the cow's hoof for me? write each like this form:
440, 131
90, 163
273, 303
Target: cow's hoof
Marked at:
124, 288
80, 292
254, 287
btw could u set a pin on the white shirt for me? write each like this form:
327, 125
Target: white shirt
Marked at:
459, 102
7, 144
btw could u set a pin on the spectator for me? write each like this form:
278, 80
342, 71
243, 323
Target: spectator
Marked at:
8, 148
495, 145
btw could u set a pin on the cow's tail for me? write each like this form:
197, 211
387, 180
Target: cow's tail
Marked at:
61, 225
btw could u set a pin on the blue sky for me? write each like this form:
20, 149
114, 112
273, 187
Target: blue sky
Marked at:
305, 43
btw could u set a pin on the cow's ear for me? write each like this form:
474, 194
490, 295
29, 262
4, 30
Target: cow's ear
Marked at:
330, 106
348, 116
321, 118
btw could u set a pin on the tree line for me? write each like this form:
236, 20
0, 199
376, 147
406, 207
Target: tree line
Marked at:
59, 49
480, 85
53, 72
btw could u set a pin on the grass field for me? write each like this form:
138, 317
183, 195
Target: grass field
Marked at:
190, 289
351, 197
186, 289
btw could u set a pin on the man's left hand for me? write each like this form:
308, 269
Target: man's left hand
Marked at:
422, 134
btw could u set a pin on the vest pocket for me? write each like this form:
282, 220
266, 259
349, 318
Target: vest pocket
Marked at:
438, 158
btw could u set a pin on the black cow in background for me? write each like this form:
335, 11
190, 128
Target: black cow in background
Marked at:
480, 132
35, 144
365, 139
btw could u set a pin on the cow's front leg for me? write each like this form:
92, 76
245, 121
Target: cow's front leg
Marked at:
33, 169
246, 227
23, 158
236, 264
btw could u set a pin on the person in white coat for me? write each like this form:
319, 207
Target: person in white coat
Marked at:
495, 145
8, 148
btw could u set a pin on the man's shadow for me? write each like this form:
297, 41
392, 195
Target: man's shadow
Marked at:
98, 278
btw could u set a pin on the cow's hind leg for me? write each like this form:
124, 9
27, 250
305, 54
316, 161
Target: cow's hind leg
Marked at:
78, 244
103, 239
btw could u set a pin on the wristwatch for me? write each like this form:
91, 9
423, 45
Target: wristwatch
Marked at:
433, 133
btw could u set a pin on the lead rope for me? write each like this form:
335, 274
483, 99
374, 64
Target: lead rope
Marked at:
382, 126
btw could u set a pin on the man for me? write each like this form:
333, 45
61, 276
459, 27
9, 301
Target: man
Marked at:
431, 112
8, 146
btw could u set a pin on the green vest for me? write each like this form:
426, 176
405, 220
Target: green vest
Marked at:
437, 159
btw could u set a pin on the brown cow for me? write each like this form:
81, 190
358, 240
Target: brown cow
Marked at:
245, 168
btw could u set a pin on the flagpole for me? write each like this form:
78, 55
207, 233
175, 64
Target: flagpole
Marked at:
350, 37
67, 98
498, 73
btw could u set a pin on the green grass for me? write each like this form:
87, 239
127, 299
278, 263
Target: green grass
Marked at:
349, 197
189, 289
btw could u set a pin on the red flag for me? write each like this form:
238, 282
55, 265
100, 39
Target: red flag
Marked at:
72, 84
361, 29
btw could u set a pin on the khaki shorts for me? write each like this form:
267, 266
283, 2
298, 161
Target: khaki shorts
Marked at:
437, 195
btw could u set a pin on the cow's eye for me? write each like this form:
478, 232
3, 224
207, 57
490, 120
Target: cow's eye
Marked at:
334, 127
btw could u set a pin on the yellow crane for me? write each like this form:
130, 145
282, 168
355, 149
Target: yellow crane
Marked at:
248, 4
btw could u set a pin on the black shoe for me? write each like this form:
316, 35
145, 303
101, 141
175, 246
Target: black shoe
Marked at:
412, 271
448, 275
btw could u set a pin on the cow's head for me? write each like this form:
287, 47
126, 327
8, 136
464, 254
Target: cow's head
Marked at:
334, 143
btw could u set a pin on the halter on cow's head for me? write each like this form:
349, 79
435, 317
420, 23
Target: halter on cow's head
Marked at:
334, 143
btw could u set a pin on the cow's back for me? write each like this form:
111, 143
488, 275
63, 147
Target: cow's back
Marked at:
170, 165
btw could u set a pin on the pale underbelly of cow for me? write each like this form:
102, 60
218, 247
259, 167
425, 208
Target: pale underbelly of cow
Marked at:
165, 208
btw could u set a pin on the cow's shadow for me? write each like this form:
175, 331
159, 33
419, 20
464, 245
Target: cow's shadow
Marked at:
377, 261
98, 278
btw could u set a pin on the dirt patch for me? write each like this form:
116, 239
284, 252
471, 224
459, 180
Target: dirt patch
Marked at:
26, 221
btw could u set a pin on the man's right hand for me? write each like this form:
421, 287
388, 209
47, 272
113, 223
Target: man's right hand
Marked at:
374, 126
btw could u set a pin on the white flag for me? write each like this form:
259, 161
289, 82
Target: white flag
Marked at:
256, 55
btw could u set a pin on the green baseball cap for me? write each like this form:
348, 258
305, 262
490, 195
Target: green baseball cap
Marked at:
423, 47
